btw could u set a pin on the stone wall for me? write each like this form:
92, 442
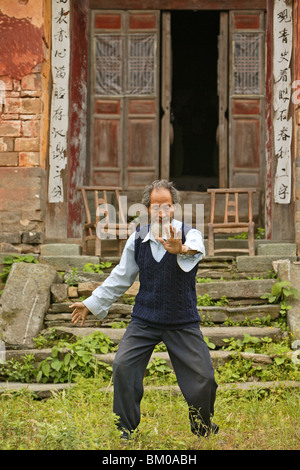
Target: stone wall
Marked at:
22, 209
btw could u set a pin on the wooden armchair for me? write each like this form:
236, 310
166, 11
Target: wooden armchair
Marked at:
235, 226
93, 229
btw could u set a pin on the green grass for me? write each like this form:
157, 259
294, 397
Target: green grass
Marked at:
82, 419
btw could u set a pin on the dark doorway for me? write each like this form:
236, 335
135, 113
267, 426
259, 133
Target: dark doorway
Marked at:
194, 150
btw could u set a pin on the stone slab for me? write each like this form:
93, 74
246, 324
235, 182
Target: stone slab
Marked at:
67, 263
60, 249
277, 249
259, 263
214, 334
25, 301
252, 289
291, 272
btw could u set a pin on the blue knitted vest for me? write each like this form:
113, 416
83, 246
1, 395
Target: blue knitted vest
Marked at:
167, 296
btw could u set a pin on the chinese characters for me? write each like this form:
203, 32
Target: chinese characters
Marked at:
283, 30
60, 97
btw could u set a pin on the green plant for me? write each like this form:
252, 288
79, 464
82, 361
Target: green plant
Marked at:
71, 278
8, 261
70, 360
16, 371
210, 345
207, 301
96, 268
158, 367
280, 292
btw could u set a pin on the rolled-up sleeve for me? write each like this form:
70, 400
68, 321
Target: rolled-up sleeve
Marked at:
119, 280
194, 241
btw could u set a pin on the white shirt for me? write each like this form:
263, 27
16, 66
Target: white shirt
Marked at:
125, 273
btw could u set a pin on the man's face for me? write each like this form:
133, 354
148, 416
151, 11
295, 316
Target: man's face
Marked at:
161, 207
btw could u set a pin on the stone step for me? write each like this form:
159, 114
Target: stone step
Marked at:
60, 249
215, 334
59, 314
242, 289
67, 263
218, 358
47, 390
259, 263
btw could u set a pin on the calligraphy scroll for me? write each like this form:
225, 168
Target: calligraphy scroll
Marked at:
60, 98
282, 122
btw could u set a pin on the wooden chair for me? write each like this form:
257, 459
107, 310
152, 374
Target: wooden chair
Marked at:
92, 229
231, 210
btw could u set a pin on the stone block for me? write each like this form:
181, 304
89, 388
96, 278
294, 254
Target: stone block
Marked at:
10, 237
72, 292
32, 237
25, 301
67, 263
60, 249
259, 263
59, 292
246, 289
277, 249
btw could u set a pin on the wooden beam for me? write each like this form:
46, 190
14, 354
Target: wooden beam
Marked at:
178, 4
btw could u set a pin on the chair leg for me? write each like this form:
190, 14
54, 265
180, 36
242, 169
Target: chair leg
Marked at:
97, 246
251, 243
211, 240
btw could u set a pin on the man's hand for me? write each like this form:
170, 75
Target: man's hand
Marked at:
80, 313
173, 243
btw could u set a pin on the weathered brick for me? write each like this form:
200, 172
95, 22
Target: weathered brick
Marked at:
30, 106
7, 83
10, 128
32, 82
27, 144
17, 85
9, 117
22, 105
29, 159
9, 159
31, 128
6, 144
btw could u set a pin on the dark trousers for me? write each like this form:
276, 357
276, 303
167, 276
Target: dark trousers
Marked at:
192, 365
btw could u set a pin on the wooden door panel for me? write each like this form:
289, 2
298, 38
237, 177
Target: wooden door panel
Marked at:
246, 150
106, 143
246, 99
124, 97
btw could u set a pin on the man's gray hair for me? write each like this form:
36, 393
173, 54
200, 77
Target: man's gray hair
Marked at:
160, 184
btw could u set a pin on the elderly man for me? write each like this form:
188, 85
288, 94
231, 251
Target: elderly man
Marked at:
165, 254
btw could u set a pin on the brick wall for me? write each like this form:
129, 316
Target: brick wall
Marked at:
23, 182
24, 114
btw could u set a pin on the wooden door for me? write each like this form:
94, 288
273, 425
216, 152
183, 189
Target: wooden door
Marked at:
246, 98
124, 88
